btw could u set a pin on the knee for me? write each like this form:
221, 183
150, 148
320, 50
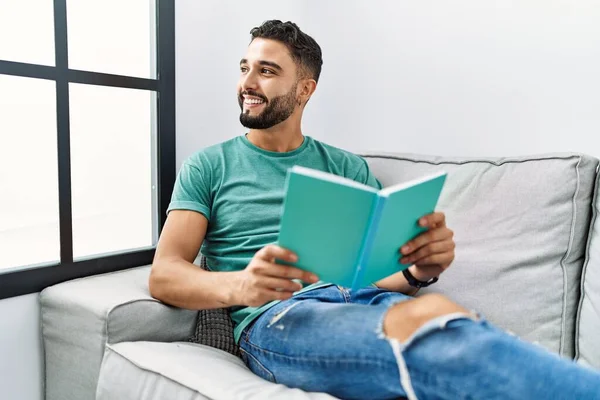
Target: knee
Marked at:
403, 319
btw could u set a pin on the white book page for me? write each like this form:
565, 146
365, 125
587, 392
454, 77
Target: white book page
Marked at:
401, 186
331, 177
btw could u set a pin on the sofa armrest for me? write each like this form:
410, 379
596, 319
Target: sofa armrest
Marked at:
81, 316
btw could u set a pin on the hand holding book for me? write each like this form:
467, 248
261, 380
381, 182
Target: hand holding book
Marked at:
264, 280
431, 252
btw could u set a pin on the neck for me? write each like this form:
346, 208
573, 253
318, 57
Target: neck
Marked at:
281, 138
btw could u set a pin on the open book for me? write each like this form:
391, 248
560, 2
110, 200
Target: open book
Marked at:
349, 233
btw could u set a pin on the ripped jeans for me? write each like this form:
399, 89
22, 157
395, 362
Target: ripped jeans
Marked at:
331, 340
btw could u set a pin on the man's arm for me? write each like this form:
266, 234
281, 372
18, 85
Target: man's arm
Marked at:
397, 283
174, 279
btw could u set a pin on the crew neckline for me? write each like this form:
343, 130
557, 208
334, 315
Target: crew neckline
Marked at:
268, 153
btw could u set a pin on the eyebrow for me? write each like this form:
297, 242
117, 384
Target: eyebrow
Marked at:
265, 63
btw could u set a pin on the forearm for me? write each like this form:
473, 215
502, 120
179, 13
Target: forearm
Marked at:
185, 285
397, 283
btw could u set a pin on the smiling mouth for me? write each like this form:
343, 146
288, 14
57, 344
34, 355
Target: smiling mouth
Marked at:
253, 101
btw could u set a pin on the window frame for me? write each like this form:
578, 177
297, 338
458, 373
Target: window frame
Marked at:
32, 279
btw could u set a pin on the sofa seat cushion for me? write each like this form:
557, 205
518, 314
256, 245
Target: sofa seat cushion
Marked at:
182, 370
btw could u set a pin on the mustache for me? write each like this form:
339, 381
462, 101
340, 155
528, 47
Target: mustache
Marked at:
252, 93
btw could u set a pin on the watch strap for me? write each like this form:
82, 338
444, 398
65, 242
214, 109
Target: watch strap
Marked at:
414, 282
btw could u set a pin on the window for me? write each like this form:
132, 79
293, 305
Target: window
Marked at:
87, 137
28, 168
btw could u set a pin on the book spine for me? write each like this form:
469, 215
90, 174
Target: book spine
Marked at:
367, 243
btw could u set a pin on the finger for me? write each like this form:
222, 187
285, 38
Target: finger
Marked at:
272, 251
427, 250
433, 235
272, 283
277, 295
436, 219
439, 260
285, 271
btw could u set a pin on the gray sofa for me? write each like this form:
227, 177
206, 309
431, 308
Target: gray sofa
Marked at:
527, 258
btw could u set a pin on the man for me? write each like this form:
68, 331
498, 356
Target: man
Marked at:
375, 343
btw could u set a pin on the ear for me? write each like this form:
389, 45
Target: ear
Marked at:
306, 88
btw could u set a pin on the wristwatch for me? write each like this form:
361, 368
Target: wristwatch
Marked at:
414, 282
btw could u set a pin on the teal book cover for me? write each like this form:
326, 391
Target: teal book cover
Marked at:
348, 233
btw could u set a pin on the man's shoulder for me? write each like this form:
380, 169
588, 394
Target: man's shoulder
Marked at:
211, 156
339, 155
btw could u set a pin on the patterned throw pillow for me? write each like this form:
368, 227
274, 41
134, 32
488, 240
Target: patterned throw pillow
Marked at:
215, 327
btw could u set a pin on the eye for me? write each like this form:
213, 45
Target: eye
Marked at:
243, 70
267, 71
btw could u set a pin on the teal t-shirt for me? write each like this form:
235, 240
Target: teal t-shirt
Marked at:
239, 188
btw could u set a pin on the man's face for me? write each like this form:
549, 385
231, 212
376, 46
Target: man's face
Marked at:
267, 85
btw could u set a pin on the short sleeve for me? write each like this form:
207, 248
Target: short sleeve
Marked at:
365, 176
192, 190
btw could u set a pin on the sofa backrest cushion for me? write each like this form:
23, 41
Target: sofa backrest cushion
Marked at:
588, 332
521, 226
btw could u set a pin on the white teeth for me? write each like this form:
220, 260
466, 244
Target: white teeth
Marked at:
253, 101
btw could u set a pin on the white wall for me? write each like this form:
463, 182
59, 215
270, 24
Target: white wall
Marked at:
464, 78
21, 354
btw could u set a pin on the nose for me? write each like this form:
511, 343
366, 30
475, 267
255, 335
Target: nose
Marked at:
248, 81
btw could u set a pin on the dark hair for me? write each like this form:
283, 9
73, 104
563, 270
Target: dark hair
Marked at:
304, 49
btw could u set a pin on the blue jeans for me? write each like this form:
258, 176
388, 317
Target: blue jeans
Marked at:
332, 340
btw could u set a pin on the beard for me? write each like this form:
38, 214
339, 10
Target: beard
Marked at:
277, 110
